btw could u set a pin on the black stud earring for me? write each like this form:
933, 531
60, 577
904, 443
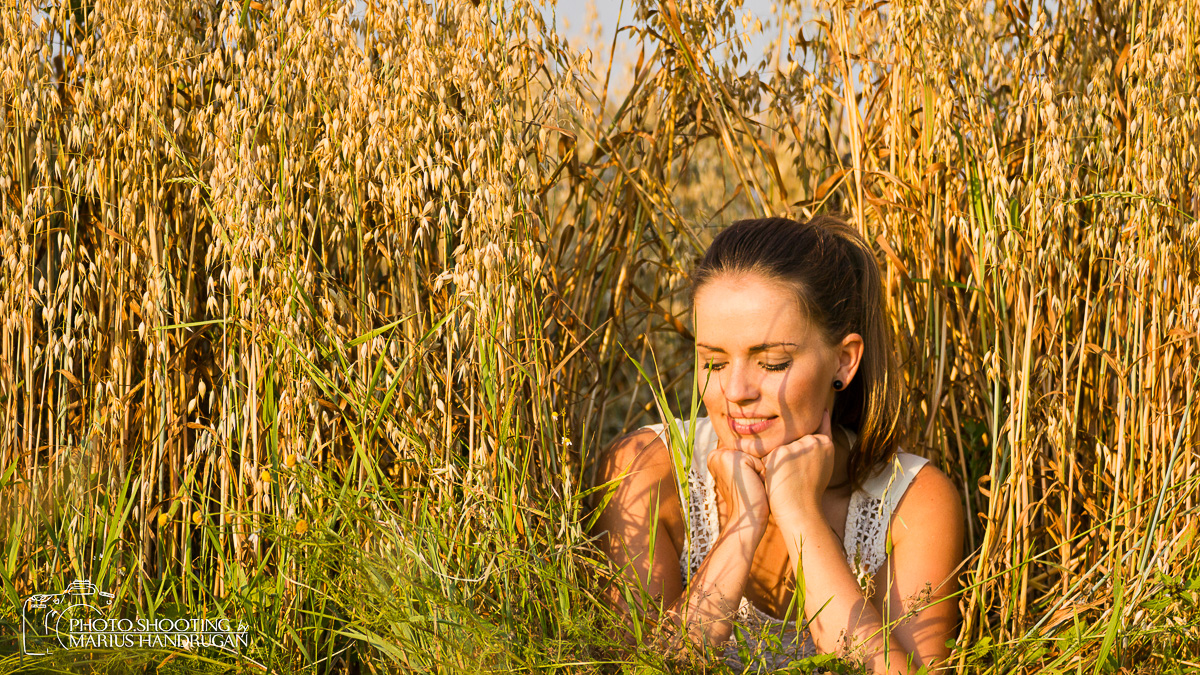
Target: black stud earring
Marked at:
837, 385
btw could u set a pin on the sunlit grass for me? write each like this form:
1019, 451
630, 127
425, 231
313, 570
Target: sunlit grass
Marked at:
326, 338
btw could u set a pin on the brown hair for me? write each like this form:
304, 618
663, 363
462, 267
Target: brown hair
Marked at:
838, 282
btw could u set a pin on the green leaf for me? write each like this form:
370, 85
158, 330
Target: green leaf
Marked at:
1110, 635
378, 331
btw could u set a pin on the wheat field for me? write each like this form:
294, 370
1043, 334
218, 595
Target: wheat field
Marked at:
316, 315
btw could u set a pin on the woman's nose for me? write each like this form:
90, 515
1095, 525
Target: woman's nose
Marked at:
739, 385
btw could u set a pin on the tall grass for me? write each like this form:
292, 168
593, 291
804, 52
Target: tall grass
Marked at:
317, 319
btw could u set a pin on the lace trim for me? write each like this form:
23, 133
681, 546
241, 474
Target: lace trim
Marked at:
865, 538
704, 523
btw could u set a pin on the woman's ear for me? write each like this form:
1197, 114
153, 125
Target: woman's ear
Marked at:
849, 355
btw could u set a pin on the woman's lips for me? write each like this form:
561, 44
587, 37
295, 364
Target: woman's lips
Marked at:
749, 426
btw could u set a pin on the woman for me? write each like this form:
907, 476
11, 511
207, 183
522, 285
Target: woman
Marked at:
795, 467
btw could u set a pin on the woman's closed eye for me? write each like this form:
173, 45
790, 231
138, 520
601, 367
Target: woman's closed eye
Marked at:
772, 367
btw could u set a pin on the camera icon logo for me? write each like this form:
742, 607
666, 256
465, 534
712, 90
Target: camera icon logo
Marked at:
50, 620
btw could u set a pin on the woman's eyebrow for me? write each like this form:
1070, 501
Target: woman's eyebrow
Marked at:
756, 348
770, 345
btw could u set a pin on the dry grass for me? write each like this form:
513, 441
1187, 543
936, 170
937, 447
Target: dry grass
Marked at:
317, 319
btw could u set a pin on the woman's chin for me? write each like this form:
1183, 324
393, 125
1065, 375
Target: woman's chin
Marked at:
754, 446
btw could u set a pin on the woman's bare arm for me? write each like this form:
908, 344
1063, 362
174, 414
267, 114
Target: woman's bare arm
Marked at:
920, 571
927, 532
643, 530
641, 475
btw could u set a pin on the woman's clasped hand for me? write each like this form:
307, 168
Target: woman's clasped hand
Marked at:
788, 481
796, 474
740, 483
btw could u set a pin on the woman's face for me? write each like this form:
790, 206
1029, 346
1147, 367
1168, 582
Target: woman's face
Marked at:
765, 373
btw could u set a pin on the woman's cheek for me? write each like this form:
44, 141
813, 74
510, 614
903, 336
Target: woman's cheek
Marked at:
807, 413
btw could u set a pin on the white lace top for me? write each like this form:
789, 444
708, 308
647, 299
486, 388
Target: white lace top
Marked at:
867, 520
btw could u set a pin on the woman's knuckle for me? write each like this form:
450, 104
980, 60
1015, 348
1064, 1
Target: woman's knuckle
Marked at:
714, 462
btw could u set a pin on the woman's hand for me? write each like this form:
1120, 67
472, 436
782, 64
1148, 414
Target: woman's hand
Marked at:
738, 479
797, 474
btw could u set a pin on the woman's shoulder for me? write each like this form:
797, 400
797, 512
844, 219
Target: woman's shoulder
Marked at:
930, 503
641, 451
647, 449
929, 484
907, 479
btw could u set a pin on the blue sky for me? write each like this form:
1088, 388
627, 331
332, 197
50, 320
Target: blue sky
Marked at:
574, 16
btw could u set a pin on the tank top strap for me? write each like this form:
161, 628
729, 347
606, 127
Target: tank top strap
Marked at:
851, 437
889, 483
698, 444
